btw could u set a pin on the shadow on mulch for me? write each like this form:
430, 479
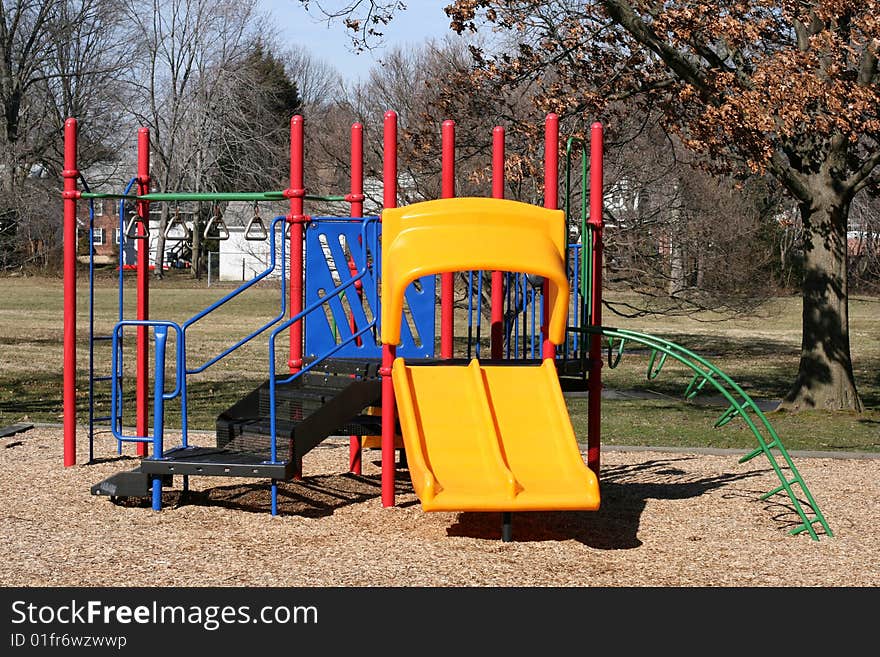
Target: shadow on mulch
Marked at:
625, 491
315, 496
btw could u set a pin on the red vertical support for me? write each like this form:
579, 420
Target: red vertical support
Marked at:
356, 198
497, 325
551, 201
142, 360
70, 194
594, 404
447, 327
296, 220
389, 351
296, 193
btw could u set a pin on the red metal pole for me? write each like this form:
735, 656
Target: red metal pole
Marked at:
594, 386
356, 198
497, 325
142, 395
296, 219
551, 201
70, 195
389, 351
447, 279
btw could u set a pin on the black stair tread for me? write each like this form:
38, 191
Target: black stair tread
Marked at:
366, 367
209, 455
218, 462
263, 425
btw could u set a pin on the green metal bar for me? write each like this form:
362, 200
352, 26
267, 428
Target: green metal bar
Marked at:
700, 379
694, 361
750, 404
654, 371
778, 489
804, 527
207, 196
727, 415
614, 359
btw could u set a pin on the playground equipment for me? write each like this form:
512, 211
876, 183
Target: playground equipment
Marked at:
475, 434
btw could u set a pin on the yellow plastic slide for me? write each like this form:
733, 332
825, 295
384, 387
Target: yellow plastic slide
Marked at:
491, 438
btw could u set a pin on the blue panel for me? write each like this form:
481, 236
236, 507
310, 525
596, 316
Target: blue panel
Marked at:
327, 267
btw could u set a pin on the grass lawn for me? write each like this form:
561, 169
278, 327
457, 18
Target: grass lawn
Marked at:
759, 352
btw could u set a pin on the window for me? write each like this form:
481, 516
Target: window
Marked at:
99, 208
116, 232
98, 237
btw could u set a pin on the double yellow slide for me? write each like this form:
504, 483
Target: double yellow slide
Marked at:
483, 437
491, 438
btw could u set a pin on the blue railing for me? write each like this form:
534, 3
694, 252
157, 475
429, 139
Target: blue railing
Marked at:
239, 290
180, 365
524, 308
160, 333
367, 237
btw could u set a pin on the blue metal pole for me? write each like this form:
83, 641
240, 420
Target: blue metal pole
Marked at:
274, 498
507, 327
92, 332
479, 309
161, 336
534, 328
470, 311
576, 280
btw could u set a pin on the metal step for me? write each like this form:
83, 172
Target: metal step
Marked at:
327, 401
133, 483
217, 462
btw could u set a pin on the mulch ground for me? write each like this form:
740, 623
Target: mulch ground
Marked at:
667, 519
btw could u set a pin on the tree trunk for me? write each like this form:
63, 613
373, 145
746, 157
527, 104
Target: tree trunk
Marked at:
160, 242
197, 244
677, 279
825, 375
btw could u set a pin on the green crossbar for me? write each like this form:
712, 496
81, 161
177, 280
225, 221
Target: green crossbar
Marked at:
740, 405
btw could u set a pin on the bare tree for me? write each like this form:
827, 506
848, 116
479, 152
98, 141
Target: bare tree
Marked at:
58, 58
215, 98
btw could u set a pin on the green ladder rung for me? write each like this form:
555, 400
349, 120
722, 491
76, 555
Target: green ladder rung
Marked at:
614, 359
696, 385
783, 487
654, 366
808, 526
759, 450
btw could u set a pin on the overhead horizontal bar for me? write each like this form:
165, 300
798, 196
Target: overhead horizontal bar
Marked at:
206, 196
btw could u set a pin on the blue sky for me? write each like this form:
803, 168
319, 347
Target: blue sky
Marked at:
422, 19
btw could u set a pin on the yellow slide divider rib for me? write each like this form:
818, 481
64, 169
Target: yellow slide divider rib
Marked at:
495, 437
491, 438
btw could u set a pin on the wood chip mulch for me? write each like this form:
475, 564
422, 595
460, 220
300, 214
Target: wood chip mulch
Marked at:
667, 520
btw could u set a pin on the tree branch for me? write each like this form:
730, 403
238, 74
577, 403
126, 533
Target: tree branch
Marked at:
859, 180
623, 14
793, 180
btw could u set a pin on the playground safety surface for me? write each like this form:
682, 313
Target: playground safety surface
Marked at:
667, 519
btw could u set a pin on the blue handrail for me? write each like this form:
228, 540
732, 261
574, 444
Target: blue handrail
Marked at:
180, 364
272, 263
160, 330
373, 241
